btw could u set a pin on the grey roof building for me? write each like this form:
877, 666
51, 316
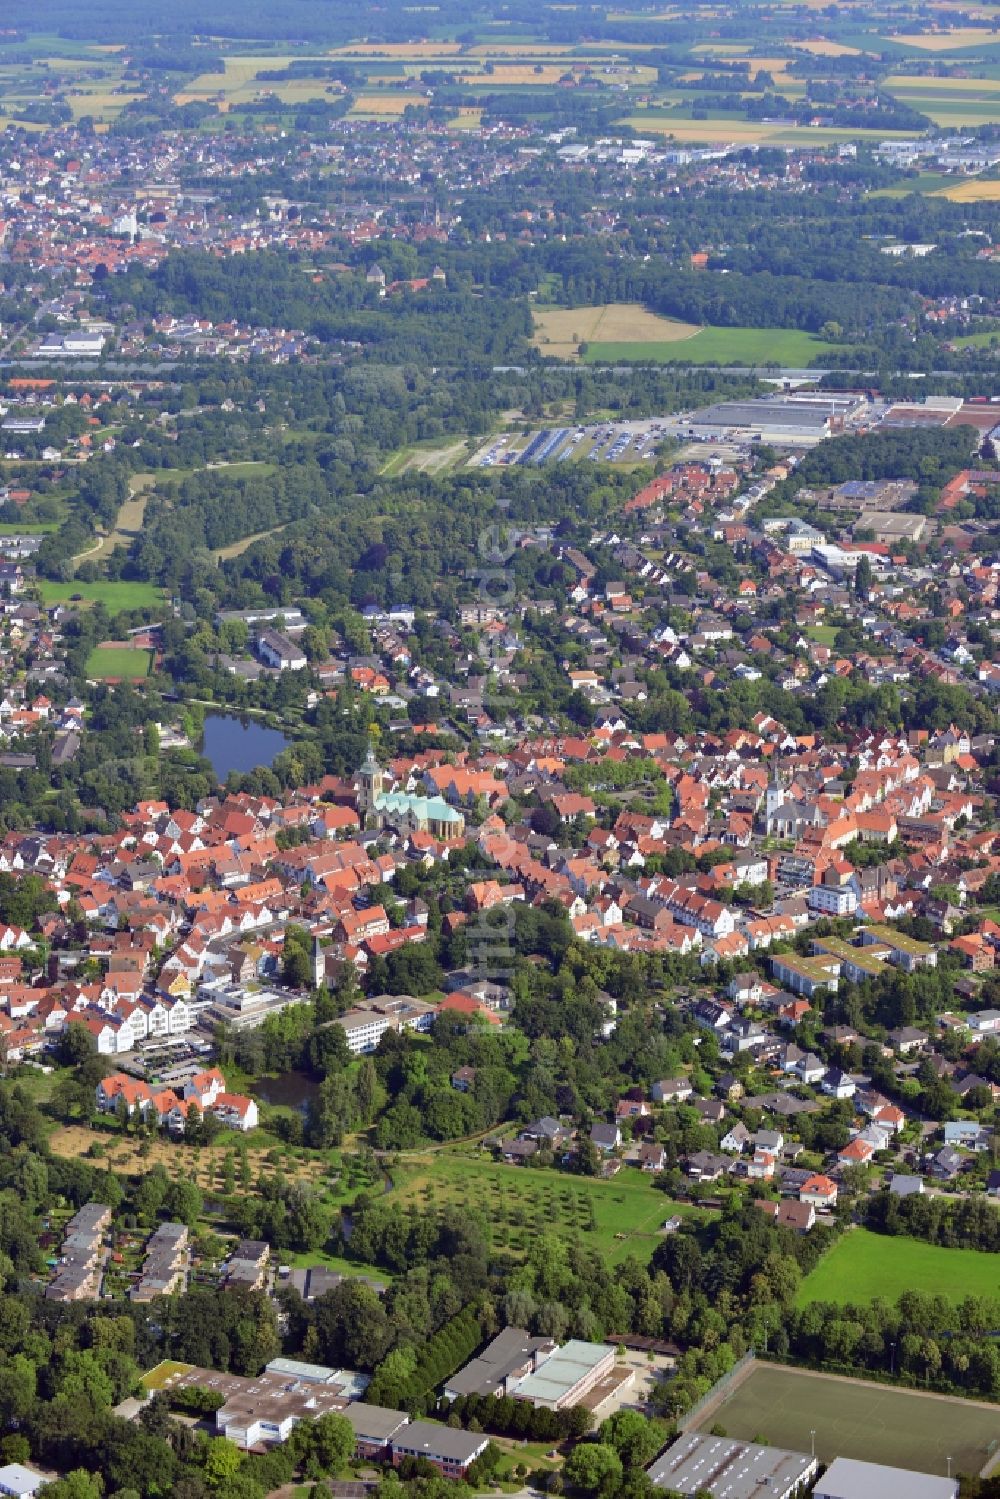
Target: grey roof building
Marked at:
511, 1356
727, 1469
848, 1478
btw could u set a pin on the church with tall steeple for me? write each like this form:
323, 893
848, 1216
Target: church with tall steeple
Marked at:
370, 782
402, 811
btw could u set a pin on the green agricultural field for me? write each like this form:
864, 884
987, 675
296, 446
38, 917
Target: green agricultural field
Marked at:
619, 1218
113, 662
115, 596
855, 1418
863, 1265
786, 346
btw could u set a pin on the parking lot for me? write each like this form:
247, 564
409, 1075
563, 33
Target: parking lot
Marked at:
606, 442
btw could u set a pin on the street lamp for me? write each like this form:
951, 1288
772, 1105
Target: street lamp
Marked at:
812, 1441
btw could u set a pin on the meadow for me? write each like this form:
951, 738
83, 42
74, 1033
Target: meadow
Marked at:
791, 1408
863, 1265
113, 595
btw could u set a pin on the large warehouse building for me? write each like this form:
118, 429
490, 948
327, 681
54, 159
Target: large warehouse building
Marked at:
797, 421
699, 1463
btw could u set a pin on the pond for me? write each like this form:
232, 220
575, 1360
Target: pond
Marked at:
233, 743
287, 1090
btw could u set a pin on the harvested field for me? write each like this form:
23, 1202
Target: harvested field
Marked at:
820, 47
524, 75
559, 331
386, 104
947, 41
976, 190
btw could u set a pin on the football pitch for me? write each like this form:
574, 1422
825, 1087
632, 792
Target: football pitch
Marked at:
853, 1418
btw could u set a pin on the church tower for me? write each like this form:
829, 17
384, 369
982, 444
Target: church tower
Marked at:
775, 798
371, 785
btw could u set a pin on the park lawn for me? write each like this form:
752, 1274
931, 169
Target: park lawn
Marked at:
302, 1258
115, 596
114, 662
864, 1265
822, 634
618, 1218
711, 345
38, 1084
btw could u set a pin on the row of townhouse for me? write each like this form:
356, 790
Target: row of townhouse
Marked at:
170, 1106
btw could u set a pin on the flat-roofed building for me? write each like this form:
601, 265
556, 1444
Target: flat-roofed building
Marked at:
294, 1368
857, 964
567, 1375
906, 952
848, 1478
805, 975
892, 525
791, 421
699, 1463
21, 1482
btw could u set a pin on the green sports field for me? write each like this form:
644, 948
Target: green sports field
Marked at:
853, 1418
711, 345
113, 663
863, 1265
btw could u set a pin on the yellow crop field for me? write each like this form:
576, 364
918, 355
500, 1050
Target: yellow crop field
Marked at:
946, 41
466, 119
745, 131
976, 190
386, 104
928, 86
820, 47
776, 66
99, 103
559, 331
519, 73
